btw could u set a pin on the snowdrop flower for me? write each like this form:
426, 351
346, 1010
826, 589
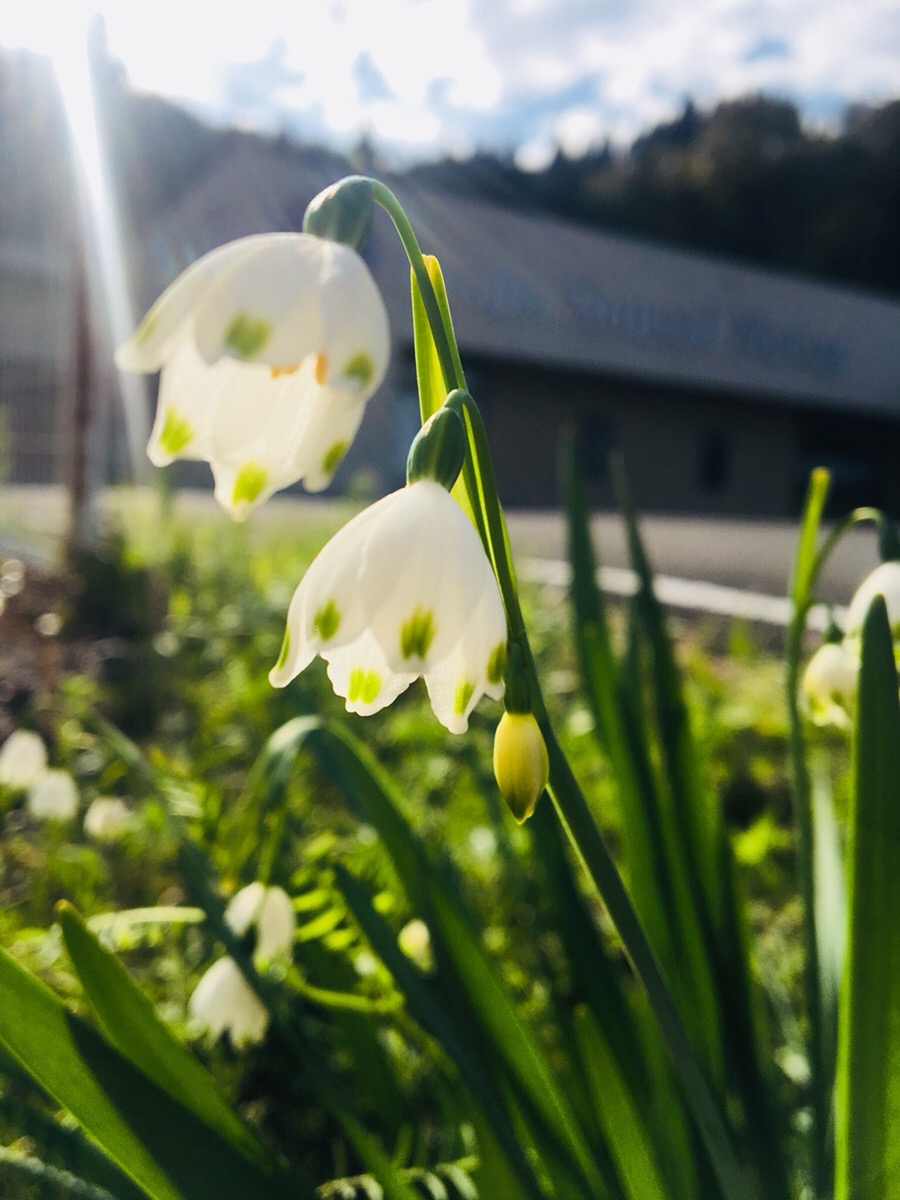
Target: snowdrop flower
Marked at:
405, 589
22, 759
106, 819
269, 909
224, 1002
883, 581
52, 796
828, 689
269, 348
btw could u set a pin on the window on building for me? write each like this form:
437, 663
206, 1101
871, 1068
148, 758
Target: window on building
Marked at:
714, 461
596, 442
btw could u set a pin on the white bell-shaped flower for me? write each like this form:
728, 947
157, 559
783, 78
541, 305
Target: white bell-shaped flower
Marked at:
52, 796
405, 589
22, 758
106, 819
269, 349
224, 1002
828, 689
883, 581
269, 909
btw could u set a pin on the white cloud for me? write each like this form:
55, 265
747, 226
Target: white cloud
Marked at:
445, 74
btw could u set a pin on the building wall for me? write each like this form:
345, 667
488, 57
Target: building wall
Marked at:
683, 452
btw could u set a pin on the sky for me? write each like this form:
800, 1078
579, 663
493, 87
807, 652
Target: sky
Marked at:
423, 78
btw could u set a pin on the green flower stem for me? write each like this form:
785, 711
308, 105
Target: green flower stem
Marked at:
450, 365
568, 798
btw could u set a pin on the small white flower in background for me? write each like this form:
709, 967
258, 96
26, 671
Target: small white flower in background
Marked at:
224, 1002
52, 796
414, 940
106, 819
405, 589
883, 581
828, 690
271, 911
269, 348
22, 758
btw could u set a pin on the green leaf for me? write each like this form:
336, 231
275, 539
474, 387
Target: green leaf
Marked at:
619, 1114
132, 1025
156, 1141
867, 1117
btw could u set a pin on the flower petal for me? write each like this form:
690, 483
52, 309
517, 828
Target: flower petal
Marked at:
360, 673
327, 606
148, 347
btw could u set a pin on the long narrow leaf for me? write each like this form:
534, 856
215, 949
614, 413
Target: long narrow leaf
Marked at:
867, 1120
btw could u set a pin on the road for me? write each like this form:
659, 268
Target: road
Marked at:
753, 556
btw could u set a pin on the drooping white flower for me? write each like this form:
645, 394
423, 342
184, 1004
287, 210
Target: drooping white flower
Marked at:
269, 348
22, 758
52, 796
271, 911
224, 1001
106, 819
405, 589
828, 689
883, 581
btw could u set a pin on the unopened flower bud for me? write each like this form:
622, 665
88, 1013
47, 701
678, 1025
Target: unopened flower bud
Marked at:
883, 581
439, 449
521, 765
342, 212
52, 796
106, 819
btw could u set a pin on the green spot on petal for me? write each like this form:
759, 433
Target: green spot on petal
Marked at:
360, 369
176, 433
284, 651
247, 335
364, 685
464, 690
249, 482
326, 621
496, 667
417, 634
333, 457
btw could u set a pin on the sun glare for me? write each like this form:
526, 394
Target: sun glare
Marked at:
66, 42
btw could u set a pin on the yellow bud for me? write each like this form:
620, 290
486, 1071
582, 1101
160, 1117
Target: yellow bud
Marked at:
521, 766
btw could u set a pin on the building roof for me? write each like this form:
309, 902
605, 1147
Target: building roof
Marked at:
535, 289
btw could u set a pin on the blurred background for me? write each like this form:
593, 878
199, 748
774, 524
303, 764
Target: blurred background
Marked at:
676, 229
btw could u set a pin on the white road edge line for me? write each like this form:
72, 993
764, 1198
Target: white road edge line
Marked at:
691, 594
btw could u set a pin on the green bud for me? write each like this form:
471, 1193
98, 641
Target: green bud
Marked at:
342, 213
521, 764
439, 449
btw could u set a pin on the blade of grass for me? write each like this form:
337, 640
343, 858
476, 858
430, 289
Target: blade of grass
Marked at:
867, 1117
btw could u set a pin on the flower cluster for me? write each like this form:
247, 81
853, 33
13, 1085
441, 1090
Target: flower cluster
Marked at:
223, 1001
51, 794
269, 349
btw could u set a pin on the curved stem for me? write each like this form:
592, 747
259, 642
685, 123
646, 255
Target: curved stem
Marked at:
453, 377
